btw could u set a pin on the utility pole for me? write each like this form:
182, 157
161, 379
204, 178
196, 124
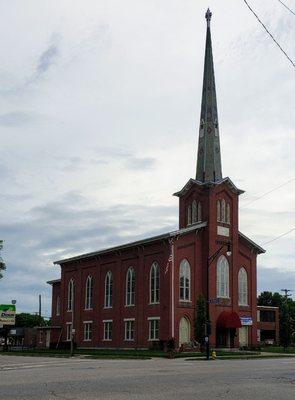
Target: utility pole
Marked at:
40, 305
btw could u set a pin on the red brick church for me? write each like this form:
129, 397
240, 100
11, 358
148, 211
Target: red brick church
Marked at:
136, 294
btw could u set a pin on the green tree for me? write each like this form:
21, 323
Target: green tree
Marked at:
200, 320
2, 263
29, 320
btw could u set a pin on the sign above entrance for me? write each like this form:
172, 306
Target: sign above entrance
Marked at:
246, 321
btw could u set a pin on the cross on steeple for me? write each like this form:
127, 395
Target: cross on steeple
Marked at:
209, 158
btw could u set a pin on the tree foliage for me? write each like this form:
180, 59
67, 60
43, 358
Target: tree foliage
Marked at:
29, 320
200, 320
2, 263
287, 314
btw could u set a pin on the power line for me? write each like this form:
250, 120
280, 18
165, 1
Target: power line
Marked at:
278, 237
266, 193
272, 37
287, 7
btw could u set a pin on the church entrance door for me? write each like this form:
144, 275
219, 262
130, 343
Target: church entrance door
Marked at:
184, 331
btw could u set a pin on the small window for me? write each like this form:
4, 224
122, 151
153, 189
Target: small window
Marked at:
243, 287
130, 287
87, 331
155, 283
199, 211
88, 293
58, 306
194, 212
107, 330
154, 329
71, 295
189, 215
223, 216
184, 280
108, 293
218, 211
222, 282
129, 330
228, 213
69, 331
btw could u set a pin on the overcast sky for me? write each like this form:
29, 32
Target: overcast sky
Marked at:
99, 114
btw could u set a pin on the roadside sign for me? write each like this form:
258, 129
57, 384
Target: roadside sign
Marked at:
246, 321
7, 314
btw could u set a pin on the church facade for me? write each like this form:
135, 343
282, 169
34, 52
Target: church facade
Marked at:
136, 294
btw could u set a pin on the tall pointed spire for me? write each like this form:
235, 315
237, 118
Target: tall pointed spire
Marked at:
209, 159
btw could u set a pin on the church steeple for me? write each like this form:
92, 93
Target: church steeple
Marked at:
209, 158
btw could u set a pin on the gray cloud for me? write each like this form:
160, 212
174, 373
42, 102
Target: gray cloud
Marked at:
47, 59
15, 119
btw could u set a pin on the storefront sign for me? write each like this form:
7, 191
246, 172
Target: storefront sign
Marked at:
246, 321
7, 314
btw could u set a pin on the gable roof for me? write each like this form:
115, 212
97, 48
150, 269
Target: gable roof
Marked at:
152, 239
191, 182
251, 244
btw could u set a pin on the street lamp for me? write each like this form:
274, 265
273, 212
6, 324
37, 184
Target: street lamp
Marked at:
210, 259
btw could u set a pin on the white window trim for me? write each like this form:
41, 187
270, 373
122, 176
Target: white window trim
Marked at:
155, 266
106, 321
130, 271
106, 303
89, 277
220, 295
242, 304
189, 277
128, 320
87, 322
153, 319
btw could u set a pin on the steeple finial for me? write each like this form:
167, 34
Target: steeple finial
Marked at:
209, 159
208, 17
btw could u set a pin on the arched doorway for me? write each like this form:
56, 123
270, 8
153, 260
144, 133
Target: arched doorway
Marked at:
184, 331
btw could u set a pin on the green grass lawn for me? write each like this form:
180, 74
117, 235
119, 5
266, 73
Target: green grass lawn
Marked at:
279, 349
120, 354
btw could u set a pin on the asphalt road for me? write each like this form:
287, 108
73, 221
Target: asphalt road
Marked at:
23, 378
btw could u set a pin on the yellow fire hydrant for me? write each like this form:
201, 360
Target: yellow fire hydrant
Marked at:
213, 355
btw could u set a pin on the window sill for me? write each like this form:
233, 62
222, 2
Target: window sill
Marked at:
184, 301
153, 340
128, 340
87, 340
88, 309
108, 308
154, 304
129, 305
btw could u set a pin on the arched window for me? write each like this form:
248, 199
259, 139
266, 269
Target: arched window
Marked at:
228, 213
130, 287
243, 287
108, 290
194, 212
218, 211
189, 215
88, 292
222, 281
154, 283
57, 306
223, 210
184, 280
199, 211
71, 294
